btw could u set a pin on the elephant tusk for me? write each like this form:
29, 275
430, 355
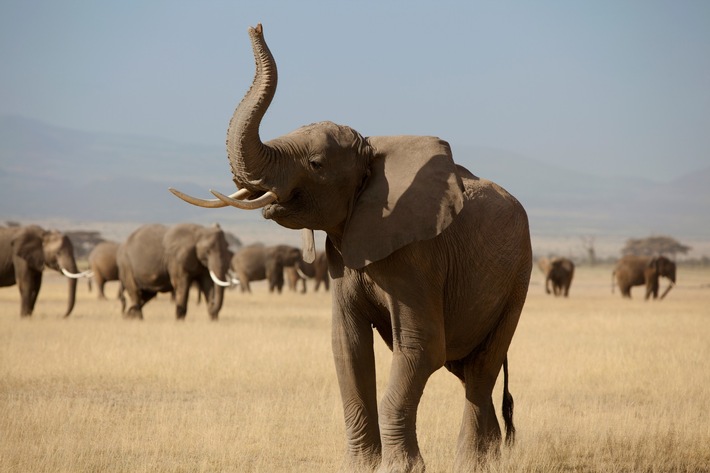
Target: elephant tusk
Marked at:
301, 273
257, 203
218, 281
84, 274
209, 203
668, 289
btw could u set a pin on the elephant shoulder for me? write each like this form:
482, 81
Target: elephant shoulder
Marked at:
486, 196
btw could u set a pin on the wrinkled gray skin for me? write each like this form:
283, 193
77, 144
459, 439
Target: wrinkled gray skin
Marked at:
559, 273
643, 271
156, 258
25, 252
317, 270
102, 262
258, 262
435, 259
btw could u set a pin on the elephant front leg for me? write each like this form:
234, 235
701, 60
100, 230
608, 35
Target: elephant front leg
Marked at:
355, 366
411, 368
182, 291
29, 290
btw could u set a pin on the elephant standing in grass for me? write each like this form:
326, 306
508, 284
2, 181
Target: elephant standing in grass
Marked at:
103, 265
317, 270
643, 270
432, 257
558, 274
258, 262
156, 258
25, 252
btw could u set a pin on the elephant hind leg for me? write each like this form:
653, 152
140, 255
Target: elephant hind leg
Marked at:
480, 435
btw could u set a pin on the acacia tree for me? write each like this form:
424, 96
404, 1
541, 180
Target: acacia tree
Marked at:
653, 246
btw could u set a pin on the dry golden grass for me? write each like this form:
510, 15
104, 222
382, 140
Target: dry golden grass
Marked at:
600, 384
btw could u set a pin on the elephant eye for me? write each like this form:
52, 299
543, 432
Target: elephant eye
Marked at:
315, 163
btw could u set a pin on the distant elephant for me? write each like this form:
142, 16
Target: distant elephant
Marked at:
558, 273
25, 252
156, 258
102, 263
258, 262
434, 258
643, 270
317, 270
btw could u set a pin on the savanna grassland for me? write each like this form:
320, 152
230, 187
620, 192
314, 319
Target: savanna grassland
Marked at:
601, 384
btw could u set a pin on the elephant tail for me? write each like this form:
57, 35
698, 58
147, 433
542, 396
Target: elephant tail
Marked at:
507, 408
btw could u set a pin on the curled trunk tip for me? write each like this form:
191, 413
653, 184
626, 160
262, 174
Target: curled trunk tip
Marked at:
245, 150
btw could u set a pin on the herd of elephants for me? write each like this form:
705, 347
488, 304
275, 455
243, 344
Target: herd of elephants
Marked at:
156, 258
433, 258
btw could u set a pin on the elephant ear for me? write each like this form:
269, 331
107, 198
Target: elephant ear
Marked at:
28, 246
412, 194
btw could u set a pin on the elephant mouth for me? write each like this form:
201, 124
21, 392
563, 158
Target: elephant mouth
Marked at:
286, 212
275, 211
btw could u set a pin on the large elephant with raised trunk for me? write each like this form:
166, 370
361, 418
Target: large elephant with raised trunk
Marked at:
434, 258
646, 271
25, 252
156, 258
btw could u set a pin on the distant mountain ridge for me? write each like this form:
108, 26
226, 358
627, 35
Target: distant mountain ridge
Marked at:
48, 172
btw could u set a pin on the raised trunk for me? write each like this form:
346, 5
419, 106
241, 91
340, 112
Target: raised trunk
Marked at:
248, 156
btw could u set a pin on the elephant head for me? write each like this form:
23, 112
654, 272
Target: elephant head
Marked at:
660, 266
328, 177
35, 248
212, 251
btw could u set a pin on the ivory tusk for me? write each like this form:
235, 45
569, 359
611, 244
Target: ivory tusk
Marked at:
218, 281
668, 289
257, 203
84, 274
301, 273
209, 203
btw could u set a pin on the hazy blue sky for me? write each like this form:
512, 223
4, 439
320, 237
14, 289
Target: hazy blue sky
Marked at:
613, 87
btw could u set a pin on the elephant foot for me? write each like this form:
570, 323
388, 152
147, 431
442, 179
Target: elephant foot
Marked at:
402, 464
133, 313
361, 464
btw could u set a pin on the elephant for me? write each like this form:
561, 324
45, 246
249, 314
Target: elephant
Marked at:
434, 258
559, 271
633, 270
317, 270
156, 258
25, 252
258, 262
102, 262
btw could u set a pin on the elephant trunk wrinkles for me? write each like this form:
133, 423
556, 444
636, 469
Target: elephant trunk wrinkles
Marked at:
248, 156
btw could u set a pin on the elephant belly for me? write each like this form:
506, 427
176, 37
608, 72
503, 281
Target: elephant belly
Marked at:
468, 329
154, 282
